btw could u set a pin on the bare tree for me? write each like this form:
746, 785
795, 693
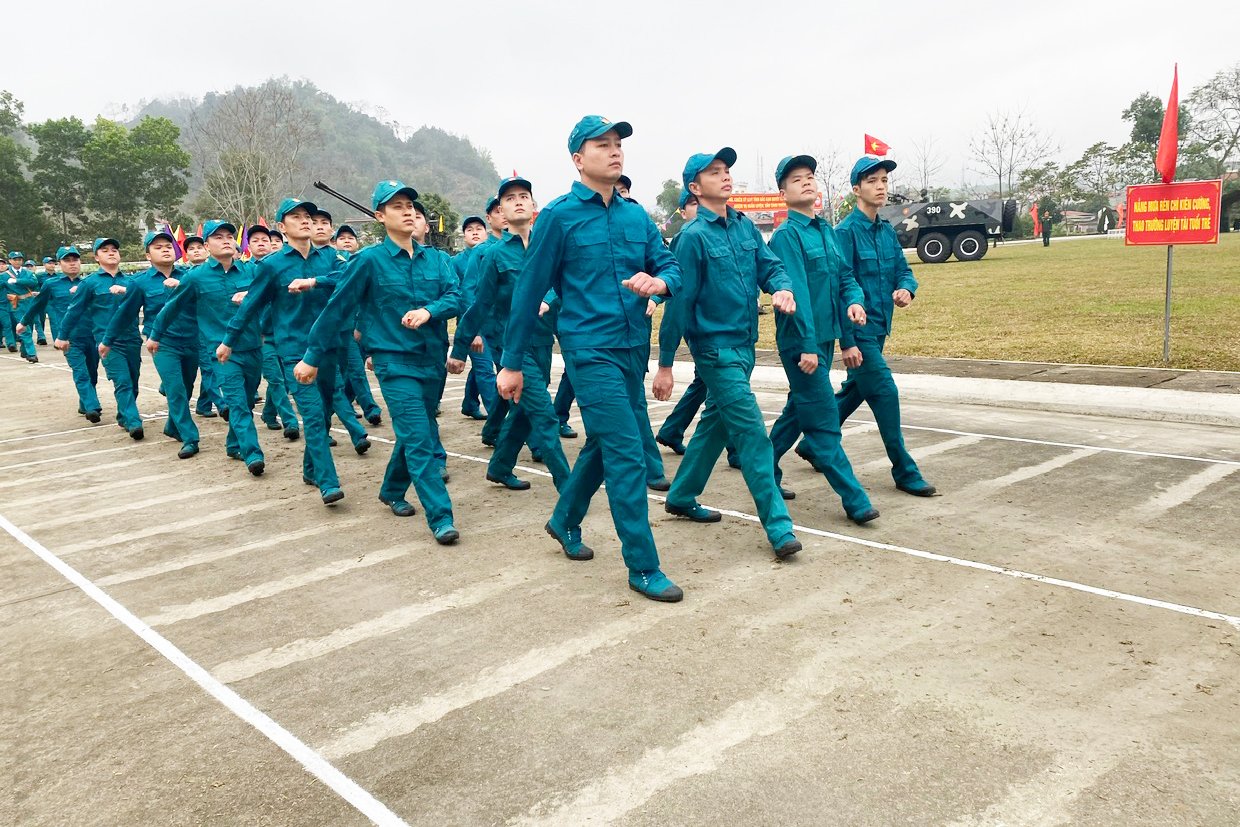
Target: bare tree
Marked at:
250, 145
832, 177
1009, 143
927, 161
1215, 126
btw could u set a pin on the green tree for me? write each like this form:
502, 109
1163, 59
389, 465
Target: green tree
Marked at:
1215, 132
667, 208
57, 169
11, 111
439, 207
165, 165
1145, 113
112, 169
22, 222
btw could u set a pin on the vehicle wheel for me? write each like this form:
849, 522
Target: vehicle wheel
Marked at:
933, 248
969, 246
1009, 216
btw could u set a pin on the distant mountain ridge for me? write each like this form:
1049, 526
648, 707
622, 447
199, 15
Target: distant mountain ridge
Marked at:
354, 150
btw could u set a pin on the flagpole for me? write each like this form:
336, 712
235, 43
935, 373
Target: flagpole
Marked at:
1167, 311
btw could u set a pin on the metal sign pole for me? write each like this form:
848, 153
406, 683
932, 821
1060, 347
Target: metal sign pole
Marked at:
1167, 311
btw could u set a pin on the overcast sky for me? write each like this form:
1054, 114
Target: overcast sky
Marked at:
767, 77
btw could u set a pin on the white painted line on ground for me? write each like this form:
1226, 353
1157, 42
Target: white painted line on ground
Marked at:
698, 751
1027, 473
169, 528
921, 453
408, 718
4, 455
1182, 492
80, 517
385, 624
214, 555
54, 433
35, 462
71, 473
1053, 444
158, 480
315, 764
210, 605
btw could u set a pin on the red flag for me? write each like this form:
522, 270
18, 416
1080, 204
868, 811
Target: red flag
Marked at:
1037, 220
514, 173
1168, 139
262, 222
873, 146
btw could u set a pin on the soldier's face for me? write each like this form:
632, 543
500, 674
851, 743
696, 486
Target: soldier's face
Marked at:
497, 221
601, 158
297, 224
800, 187
713, 183
196, 252
322, 228
689, 212
872, 189
260, 245
347, 242
161, 253
108, 256
50, 268
71, 265
398, 215
222, 243
474, 234
420, 226
518, 205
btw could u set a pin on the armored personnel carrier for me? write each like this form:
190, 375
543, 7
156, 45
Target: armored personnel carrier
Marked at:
940, 229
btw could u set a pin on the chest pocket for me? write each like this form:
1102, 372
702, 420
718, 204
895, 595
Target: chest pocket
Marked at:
585, 244
505, 284
867, 262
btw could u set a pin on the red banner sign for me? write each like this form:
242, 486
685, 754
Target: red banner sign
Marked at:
1177, 213
757, 202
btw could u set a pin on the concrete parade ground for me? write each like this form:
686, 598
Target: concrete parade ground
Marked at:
1055, 639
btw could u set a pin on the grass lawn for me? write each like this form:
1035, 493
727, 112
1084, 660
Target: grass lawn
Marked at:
1091, 301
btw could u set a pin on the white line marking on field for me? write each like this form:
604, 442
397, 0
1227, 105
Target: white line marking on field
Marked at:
136, 505
53, 433
210, 605
1053, 444
157, 480
920, 453
32, 463
698, 751
45, 448
385, 624
1182, 492
1029, 472
315, 764
71, 473
168, 528
1234, 620
203, 557
407, 718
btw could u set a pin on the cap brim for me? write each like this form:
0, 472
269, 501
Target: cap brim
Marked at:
879, 163
232, 229
409, 191
622, 128
727, 155
513, 182
105, 242
67, 253
310, 207
160, 235
197, 238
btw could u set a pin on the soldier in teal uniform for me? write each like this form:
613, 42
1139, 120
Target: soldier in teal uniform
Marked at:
604, 258
278, 413
95, 301
533, 418
208, 390
211, 293
480, 382
829, 299
19, 284
402, 297
724, 263
177, 361
870, 247
49, 270
290, 288
82, 355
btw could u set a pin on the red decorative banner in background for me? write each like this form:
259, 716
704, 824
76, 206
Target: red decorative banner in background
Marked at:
1186, 212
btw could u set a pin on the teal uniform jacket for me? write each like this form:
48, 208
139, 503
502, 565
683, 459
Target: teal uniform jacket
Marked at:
207, 291
54, 297
146, 292
19, 282
96, 304
291, 314
873, 251
379, 286
582, 250
499, 269
823, 285
724, 264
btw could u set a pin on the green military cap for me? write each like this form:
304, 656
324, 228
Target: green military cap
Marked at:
700, 161
215, 225
470, 219
385, 191
64, 252
150, 237
48, 259
343, 228
99, 242
791, 162
867, 164
290, 204
594, 126
506, 184
17, 255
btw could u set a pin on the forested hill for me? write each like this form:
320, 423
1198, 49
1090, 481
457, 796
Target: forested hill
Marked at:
331, 141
